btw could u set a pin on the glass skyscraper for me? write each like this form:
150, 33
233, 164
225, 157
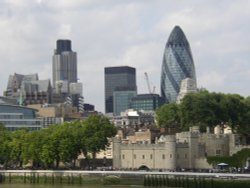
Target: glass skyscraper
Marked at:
122, 78
177, 65
146, 102
64, 63
122, 101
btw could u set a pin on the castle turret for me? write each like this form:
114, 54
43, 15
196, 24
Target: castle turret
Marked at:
116, 153
170, 146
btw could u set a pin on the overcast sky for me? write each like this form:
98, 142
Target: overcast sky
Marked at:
127, 32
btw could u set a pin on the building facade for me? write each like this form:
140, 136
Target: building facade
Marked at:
177, 65
15, 117
122, 78
185, 150
64, 64
132, 118
28, 89
188, 85
146, 102
122, 101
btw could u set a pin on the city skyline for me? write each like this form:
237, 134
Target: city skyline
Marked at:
127, 33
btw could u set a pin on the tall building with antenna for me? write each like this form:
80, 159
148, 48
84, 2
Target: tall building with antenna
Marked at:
177, 65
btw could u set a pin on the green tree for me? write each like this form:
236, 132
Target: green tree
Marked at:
50, 149
206, 109
236, 160
243, 127
97, 129
71, 141
4, 145
17, 143
168, 116
32, 148
198, 109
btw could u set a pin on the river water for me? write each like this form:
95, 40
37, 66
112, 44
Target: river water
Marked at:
62, 186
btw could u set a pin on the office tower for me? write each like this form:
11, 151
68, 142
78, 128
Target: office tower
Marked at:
122, 100
146, 102
122, 78
177, 65
64, 65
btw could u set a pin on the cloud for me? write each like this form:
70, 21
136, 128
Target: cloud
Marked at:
64, 31
133, 33
212, 80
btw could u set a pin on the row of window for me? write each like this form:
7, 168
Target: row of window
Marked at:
16, 122
10, 116
151, 156
29, 128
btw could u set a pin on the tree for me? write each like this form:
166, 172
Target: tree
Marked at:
4, 145
50, 149
97, 129
199, 109
236, 160
71, 141
33, 147
206, 109
17, 143
243, 127
168, 116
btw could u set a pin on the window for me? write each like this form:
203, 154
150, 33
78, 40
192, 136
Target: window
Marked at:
143, 156
151, 156
217, 152
163, 156
123, 156
134, 156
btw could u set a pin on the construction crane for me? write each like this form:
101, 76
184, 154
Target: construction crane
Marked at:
148, 84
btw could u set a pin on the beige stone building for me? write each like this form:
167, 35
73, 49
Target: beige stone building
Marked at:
185, 150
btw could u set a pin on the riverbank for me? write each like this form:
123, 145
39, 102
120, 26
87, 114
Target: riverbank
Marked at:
139, 178
67, 178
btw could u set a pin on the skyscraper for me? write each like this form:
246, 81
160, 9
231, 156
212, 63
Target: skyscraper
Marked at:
121, 78
64, 64
177, 65
122, 101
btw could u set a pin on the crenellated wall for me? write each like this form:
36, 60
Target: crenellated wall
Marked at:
185, 150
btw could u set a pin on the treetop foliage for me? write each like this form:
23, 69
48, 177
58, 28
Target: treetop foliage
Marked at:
205, 109
58, 143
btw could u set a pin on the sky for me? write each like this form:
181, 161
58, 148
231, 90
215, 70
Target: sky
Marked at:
127, 32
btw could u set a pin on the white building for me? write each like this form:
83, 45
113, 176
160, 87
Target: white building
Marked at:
188, 85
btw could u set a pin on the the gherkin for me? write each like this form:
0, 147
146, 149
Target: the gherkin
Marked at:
177, 65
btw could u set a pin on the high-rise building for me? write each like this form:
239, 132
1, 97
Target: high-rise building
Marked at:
146, 102
177, 65
64, 64
122, 101
122, 78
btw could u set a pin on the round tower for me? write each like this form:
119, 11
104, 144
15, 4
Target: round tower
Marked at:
170, 150
116, 141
